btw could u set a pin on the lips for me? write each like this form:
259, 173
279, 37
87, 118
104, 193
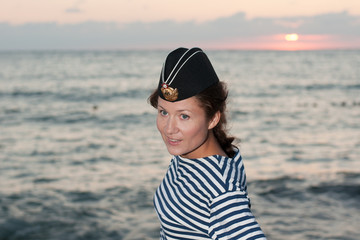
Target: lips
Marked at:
173, 142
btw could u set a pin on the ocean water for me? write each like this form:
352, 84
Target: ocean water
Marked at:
80, 156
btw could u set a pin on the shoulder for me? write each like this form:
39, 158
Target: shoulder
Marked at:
203, 173
211, 166
213, 174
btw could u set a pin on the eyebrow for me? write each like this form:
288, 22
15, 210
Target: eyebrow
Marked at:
180, 110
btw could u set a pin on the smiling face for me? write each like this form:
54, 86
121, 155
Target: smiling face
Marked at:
185, 128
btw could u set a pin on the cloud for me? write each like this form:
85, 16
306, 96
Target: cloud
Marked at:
73, 10
168, 34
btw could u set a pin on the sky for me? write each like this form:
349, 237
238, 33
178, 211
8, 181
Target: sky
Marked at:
144, 24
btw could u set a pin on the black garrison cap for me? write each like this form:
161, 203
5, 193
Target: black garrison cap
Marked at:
185, 73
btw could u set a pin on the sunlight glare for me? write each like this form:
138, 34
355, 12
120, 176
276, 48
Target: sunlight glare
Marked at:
291, 37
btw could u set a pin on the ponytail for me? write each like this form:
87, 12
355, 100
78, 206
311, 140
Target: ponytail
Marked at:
213, 99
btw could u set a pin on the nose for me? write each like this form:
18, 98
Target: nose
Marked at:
171, 126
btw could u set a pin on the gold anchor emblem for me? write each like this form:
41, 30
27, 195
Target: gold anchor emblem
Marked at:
169, 93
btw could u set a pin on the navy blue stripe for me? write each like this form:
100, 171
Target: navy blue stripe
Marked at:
238, 173
207, 174
201, 183
238, 228
234, 213
176, 226
226, 162
180, 186
184, 213
229, 198
260, 235
215, 164
251, 230
180, 203
196, 185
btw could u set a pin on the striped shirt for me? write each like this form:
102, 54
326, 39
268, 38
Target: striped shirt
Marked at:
205, 198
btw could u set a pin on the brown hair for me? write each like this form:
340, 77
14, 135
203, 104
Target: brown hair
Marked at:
212, 100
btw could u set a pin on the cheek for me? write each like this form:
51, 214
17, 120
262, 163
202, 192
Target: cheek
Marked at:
198, 131
161, 124
158, 124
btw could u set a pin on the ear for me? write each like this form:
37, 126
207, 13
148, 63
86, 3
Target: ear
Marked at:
215, 120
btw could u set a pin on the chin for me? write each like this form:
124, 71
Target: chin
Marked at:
173, 151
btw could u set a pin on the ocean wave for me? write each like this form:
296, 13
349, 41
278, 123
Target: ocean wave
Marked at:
337, 190
75, 214
57, 229
302, 189
82, 196
106, 121
142, 119
45, 180
313, 87
278, 188
12, 110
92, 160
64, 118
77, 95
26, 93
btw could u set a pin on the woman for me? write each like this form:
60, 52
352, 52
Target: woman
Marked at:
203, 194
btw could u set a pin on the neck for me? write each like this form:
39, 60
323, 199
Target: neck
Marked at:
215, 147
210, 147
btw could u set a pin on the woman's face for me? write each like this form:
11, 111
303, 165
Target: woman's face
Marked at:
184, 127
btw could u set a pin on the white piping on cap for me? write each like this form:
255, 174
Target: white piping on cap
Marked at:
162, 74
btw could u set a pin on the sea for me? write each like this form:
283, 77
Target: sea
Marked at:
81, 158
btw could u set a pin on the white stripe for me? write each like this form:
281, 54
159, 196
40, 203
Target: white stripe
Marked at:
203, 181
197, 196
181, 187
171, 210
230, 194
219, 184
182, 66
175, 182
172, 69
169, 186
249, 234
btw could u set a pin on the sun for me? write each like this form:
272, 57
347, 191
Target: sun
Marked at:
291, 37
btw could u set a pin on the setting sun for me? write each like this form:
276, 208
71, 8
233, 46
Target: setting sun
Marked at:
291, 37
